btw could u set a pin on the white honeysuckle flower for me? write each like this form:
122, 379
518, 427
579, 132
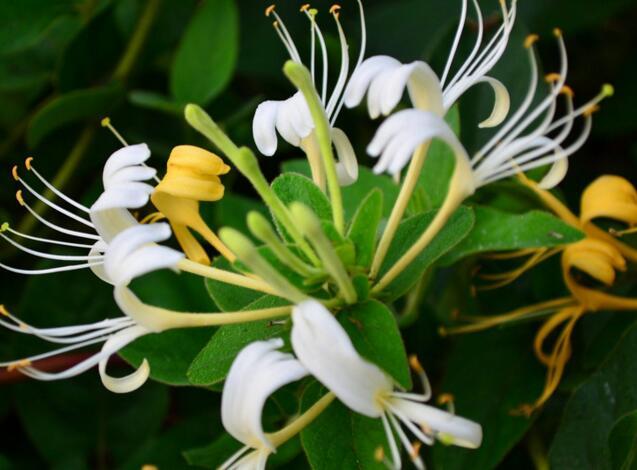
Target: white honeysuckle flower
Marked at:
531, 137
124, 188
384, 78
323, 347
256, 373
131, 254
291, 118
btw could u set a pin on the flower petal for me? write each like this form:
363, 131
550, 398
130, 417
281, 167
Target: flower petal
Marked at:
263, 127
324, 348
555, 175
132, 381
347, 165
257, 372
126, 156
501, 104
364, 75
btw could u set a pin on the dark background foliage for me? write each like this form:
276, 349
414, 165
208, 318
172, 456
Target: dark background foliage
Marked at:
64, 64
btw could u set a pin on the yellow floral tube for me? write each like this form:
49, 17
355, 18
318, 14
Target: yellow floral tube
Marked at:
192, 176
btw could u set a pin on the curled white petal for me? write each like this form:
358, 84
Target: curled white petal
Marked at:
448, 427
347, 165
501, 104
132, 381
131, 195
324, 348
364, 75
126, 156
99, 248
257, 372
133, 253
264, 127
555, 175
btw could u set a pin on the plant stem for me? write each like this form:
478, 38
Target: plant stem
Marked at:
407, 189
279, 437
225, 276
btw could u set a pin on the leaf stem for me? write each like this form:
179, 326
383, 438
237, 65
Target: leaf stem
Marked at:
279, 437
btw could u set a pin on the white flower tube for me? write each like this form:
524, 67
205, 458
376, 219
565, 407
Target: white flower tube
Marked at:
323, 347
384, 78
257, 372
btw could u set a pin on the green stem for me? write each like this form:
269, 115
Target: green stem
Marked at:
301, 78
245, 161
300, 423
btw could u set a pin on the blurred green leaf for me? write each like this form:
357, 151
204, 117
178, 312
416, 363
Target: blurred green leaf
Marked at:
373, 330
207, 54
622, 442
340, 438
582, 440
489, 375
228, 297
155, 102
456, 229
213, 362
91, 103
363, 230
495, 230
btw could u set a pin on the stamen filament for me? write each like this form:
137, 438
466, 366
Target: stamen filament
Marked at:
6, 227
53, 189
49, 255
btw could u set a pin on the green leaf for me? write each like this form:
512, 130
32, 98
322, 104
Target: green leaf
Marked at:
90, 103
232, 211
171, 352
373, 330
622, 442
228, 297
155, 102
340, 438
354, 194
291, 187
65, 419
495, 230
213, 362
489, 375
363, 230
207, 54
582, 440
457, 228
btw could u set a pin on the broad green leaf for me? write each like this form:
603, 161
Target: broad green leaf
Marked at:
232, 211
354, 194
457, 228
373, 330
582, 440
291, 187
622, 442
495, 230
207, 54
436, 171
228, 297
171, 352
363, 230
90, 103
489, 375
213, 362
24, 22
340, 438
64, 419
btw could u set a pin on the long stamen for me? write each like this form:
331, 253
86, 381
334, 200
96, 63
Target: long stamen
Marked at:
6, 227
415, 365
59, 269
476, 47
51, 225
285, 35
305, 8
44, 255
311, 14
395, 452
456, 42
342, 75
106, 122
29, 165
415, 458
51, 204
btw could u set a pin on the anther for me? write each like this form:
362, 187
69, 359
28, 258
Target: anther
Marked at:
4, 227
149, 467
275, 24
415, 450
588, 112
14, 173
557, 32
18, 196
4, 311
379, 454
415, 364
530, 40
18, 365
608, 90
270, 9
568, 91
442, 331
552, 77
27, 163
447, 399
305, 7
106, 122
335, 10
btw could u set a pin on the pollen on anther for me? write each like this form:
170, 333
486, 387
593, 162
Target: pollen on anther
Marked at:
18, 196
445, 398
14, 173
270, 9
106, 122
568, 91
27, 163
18, 365
334, 9
608, 90
557, 32
415, 450
530, 40
415, 364
4, 227
588, 112
552, 77
4, 311
305, 7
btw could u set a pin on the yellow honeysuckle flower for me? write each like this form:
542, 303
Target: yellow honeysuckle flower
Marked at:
192, 176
